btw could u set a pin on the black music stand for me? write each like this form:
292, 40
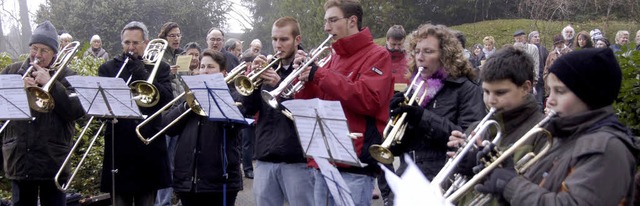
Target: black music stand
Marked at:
324, 135
107, 98
14, 104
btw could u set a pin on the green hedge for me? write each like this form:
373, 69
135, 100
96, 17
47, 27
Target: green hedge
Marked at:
628, 103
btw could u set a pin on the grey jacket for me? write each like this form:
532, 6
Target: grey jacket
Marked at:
35, 150
100, 54
592, 162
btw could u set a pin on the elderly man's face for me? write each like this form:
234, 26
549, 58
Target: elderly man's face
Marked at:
96, 44
535, 39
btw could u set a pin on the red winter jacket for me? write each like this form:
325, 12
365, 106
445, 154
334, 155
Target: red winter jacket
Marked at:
359, 76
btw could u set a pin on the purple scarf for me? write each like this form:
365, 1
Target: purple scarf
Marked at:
434, 83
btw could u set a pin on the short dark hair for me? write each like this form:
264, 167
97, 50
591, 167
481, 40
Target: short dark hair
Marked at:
508, 63
166, 28
348, 7
216, 56
396, 32
192, 45
231, 43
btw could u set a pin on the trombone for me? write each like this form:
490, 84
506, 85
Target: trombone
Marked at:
521, 165
145, 93
39, 98
396, 126
246, 84
235, 72
286, 87
26, 74
193, 104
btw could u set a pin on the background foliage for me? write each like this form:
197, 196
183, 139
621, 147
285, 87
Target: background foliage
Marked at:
628, 103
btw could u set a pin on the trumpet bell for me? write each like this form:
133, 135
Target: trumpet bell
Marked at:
381, 154
243, 85
41, 100
145, 94
194, 104
270, 99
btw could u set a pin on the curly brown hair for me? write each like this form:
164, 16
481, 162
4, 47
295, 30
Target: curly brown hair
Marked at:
452, 55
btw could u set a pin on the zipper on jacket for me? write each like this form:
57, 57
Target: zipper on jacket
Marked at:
195, 160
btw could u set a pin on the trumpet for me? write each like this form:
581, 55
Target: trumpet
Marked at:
285, 87
460, 154
145, 93
521, 165
231, 76
39, 98
246, 84
396, 126
193, 104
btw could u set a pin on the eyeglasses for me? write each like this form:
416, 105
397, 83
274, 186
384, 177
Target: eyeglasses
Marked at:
134, 43
35, 50
173, 36
333, 20
417, 52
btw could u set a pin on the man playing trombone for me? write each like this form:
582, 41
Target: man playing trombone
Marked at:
140, 170
33, 150
281, 171
359, 76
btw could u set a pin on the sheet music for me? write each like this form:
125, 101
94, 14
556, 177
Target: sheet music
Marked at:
335, 128
13, 98
116, 91
337, 186
412, 188
216, 100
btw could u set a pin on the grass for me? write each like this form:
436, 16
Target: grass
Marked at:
502, 30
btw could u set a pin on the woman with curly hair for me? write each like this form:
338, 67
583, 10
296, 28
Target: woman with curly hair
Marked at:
452, 101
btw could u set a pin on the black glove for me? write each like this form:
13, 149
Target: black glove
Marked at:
312, 72
396, 100
484, 156
414, 113
498, 179
466, 165
135, 66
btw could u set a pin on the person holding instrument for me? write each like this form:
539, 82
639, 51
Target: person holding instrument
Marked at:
281, 171
207, 161
140, 170
593, 158
34, 150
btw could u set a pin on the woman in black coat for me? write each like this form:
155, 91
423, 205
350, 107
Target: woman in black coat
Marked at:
207, 161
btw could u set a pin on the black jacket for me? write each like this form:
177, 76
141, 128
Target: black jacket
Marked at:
140, 167
199, 160
276, 136
35, 150
455, 107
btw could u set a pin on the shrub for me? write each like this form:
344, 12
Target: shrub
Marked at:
627, 105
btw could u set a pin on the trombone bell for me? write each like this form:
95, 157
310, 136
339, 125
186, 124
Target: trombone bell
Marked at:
145, 94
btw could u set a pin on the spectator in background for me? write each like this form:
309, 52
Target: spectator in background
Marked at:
583, 41
622, 39
534, 38
96, 50
595, 34
65, 39
638, 40
521, 42
489, 46
568, 33
193, 49
602, 43
170, 31
233, 46
256, 46
463, 41
476, 57
559, 49
395, 45
215, 41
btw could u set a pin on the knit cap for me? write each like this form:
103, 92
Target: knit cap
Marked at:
45, 33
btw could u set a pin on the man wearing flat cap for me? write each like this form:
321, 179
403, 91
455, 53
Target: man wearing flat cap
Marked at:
34, 150
520, 39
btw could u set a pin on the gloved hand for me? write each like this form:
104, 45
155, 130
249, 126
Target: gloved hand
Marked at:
135, 66
497, 181
466, 165
414, 113
484, 156
396, 100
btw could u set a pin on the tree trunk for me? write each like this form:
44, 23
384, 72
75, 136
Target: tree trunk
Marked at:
3, 39
25, 25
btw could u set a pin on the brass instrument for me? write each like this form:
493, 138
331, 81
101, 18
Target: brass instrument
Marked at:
285, 87
521, 166
246, 84
193, 104
396, 126
460, 154
67, 160
26, 74
238, 70
126, 60
39, 98
145, 93
294, 88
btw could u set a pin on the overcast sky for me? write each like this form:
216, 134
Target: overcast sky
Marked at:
10, 12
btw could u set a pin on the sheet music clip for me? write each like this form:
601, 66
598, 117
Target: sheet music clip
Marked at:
214, 97
14, 104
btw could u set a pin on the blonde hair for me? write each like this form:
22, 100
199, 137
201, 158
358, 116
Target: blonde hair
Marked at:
451, 52
489, 40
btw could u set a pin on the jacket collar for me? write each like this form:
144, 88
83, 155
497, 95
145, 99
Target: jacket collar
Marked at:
519, 115
576, 125
350, 45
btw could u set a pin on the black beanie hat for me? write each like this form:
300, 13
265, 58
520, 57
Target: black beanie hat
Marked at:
45, 33
594, 75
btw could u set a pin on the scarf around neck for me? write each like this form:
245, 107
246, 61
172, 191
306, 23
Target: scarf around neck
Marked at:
434, 83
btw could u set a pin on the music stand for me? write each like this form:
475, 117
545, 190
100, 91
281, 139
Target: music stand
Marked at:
324, 135
212, 93
106, 97
14, 104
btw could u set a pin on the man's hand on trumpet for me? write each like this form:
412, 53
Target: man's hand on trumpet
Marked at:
269, 76
39, 77
308, 73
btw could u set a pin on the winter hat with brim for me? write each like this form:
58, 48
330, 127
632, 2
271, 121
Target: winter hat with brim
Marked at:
45, 33
592, 74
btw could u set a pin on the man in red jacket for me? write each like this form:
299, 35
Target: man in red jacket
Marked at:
359, 76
